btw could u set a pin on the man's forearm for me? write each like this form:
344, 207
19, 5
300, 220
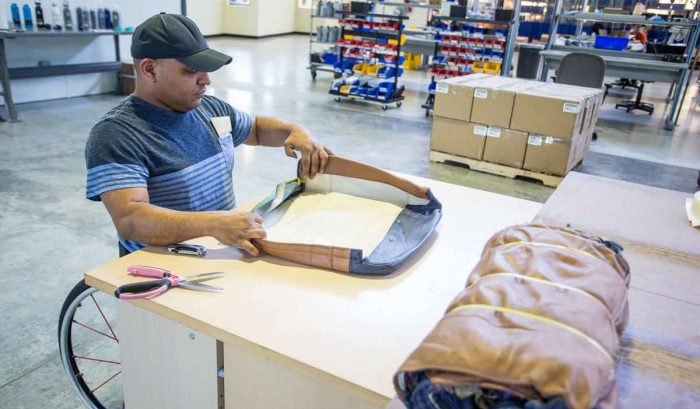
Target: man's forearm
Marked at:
146, 223
271, 131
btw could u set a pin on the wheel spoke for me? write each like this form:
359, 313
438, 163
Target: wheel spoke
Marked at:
104, 318
103, 383
96, 359
94, 330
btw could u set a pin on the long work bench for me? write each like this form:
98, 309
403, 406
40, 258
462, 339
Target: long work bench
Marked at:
642, 69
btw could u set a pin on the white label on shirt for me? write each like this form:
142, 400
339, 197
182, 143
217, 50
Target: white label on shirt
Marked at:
481, 93
549, 140
222, 124
572, 107
480, 130
441, 88
494, 132
535, 140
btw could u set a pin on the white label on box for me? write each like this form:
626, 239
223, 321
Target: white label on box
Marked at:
535, 140
480, 130
441, 88
481, 93
549, 140
572, 107
494, 132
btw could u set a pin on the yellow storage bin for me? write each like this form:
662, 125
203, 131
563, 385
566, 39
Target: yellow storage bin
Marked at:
478, 67
372, 70
360, 69
345, 89
486, 67
492, 68
395, 42
413, 61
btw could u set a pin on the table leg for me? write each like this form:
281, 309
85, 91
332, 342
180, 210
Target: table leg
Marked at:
118, 58
670, 92
6, 91
677, 93
545, 69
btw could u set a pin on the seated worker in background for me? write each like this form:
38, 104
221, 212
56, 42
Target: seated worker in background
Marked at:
599, 29
639, 33
161, 161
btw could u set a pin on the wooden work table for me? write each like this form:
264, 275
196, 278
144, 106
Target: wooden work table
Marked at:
296, 337
293, 336
660, 359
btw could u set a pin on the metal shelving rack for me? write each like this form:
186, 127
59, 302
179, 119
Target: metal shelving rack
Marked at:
314, 67
397, 93
506, 65
685, 74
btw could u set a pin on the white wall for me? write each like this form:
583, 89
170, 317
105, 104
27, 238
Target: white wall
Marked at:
208, 14
241, 20
276, 17
74, 50
261, 18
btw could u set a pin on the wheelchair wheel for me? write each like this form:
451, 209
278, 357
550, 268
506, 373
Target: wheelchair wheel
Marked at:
89, 347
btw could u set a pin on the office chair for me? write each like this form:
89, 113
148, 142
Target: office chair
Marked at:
583, 70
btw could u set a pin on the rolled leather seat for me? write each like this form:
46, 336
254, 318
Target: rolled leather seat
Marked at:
538, 324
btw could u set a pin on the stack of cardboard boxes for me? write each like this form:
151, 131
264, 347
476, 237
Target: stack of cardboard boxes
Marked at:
540, 127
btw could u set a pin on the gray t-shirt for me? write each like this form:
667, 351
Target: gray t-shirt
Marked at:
178, 157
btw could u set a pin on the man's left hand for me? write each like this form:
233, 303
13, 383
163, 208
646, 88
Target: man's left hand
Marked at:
314, 156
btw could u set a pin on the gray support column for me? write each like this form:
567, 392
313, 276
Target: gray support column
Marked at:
6, 91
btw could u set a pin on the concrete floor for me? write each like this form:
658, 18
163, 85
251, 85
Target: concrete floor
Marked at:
51, 234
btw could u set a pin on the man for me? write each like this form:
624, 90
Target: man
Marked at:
162, 160
639, 33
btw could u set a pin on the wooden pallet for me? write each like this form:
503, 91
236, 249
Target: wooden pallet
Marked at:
495, 169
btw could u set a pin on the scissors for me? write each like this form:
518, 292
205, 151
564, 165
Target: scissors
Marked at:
167, 280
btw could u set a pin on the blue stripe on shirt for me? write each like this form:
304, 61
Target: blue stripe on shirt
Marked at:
198, 187
112, 176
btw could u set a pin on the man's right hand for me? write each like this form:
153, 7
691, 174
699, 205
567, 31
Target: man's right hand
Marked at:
237, 228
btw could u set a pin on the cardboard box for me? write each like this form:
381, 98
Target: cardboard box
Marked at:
494, 97
505, 147
554, 155
458, 138
552, 109
453, 99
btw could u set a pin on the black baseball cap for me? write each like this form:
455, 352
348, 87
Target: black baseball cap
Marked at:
175, 36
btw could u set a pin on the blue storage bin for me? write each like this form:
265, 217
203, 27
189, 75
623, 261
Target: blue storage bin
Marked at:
389, 72
385, 72
330, 58
611, 43
385, 88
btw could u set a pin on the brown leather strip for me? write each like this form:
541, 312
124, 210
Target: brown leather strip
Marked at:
345, 167
328, 257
